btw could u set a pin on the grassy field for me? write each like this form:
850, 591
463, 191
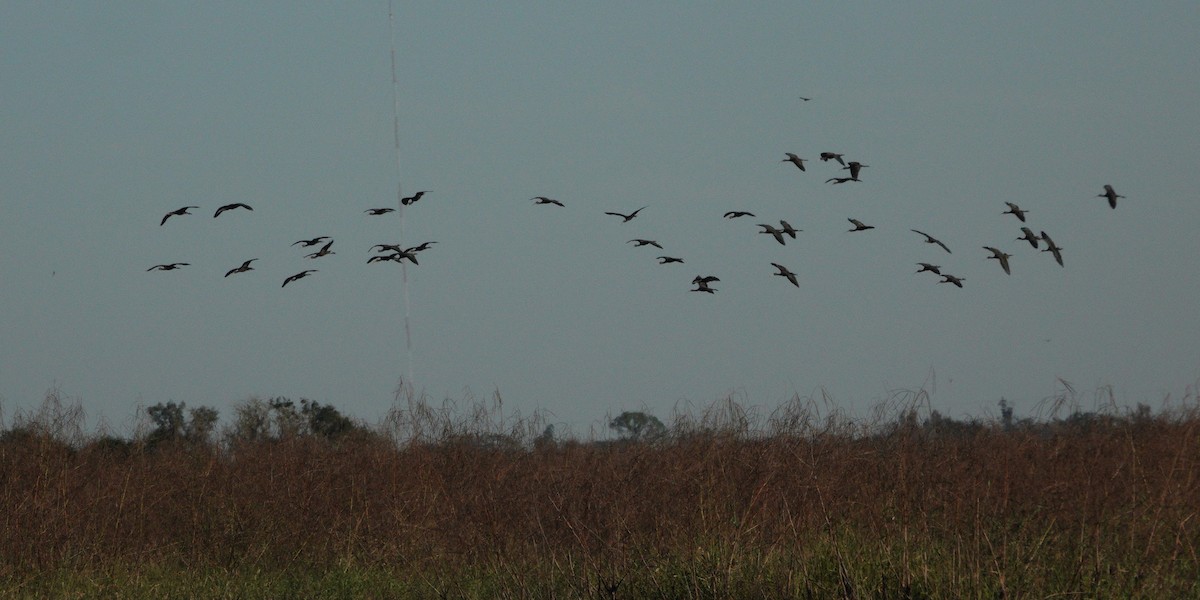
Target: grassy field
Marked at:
442, 503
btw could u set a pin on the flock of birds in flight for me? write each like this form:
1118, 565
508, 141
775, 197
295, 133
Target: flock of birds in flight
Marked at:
1039, 241
398, 253
384, 252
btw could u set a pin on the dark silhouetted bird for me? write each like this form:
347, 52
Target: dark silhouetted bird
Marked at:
859, 225
641, 243
839, 180
778, 233
1000, 256
168, 267
629, 217
231, 207
1016, 211
545, 200
788, 229
929, 239
178, 211
300, 275
662, 260
397, 257
795, 160
1111, 194
413, 198
242, 269
1028, 235
926, 267
423, 246
312, 242
952, 279
828, 156
784, 272
854, 167
733, 214
379, 211
1052, 248
324, 251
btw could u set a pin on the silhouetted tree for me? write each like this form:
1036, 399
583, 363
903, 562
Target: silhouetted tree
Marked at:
638, 426
325, 420
170, 424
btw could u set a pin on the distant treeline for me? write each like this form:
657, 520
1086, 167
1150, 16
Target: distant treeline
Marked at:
730, 502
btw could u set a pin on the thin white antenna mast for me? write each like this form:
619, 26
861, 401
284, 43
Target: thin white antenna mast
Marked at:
399, 188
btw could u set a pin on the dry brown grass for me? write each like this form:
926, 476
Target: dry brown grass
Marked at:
788, 499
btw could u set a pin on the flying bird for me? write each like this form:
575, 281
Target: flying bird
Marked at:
641, 242
379, 211
926, 267
231, 207
1052, 248
168, 267
398, 256
178, 211
804, 99
423, 246
1028, 235
859, 225
242, 269
545, 200
733, 214
837, 180
854, 167
788, 229
704, 279
795, 160
312, 242
929, 239
1000, 256
629, 217
1111, 194
413, 198
703, 287
828, 156
324, 251
300, 275
1016, 211
784, 272
662, 260
778, 233
952, 279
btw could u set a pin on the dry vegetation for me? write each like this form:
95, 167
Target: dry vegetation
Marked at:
727, 503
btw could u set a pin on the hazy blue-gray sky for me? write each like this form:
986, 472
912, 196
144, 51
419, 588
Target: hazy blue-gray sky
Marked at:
113, 114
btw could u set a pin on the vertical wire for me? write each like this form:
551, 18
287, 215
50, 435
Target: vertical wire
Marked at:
399, 187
